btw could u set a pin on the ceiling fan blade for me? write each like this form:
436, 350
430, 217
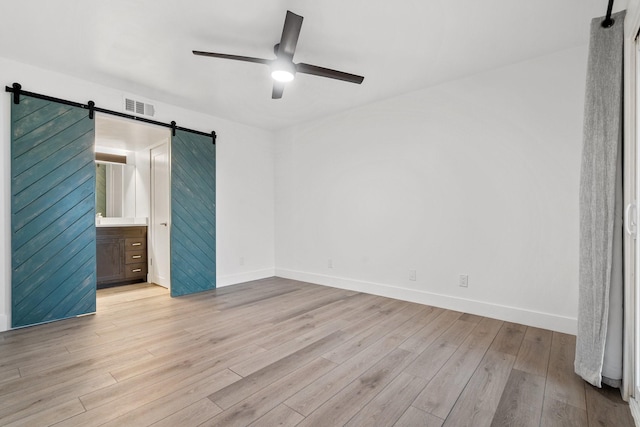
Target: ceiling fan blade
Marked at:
290, 33
278, 88
234, 57
327, 72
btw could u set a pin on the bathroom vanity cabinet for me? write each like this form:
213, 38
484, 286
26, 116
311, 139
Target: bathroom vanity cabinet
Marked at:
121, 254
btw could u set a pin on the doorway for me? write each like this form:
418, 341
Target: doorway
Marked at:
135, 142
159, 238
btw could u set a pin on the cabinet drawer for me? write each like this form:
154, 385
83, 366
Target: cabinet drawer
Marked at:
135, 243
132, 257
131, 271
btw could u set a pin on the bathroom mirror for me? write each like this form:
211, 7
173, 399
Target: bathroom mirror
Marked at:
115, 189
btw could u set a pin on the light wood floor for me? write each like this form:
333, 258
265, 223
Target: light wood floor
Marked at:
281, 352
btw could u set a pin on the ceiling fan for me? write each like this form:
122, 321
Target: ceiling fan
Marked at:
283, 69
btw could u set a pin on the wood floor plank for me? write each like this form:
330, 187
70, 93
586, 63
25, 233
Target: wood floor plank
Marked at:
92, 366
443, 390
173, 402
455, 334
9, 374
260, 403
86, 362
430, 361
436, 355
192, 415
533, 356
521, 401
417, 322
252, 317
361, 321
16, 405
269, 357
248, 385
389, 405
377, 306
253, 298
311, 397
471, 318
346, 403
509, 339
562, 383
315, 304
46, 334
19, 357
136, 402
137, 341
479, 400
31, 344
560, 414
413, 417
214, 336
371, 335
199, 352
167, 374
430, 332
281, 415
51, 415
293, 327
604, 408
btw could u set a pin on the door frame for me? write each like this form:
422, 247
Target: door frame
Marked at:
630, 379
152, 238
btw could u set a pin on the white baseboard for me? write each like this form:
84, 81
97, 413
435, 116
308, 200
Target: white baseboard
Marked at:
232, 279
635, 411
567, 325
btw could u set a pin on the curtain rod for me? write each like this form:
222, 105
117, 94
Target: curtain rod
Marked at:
608, 22
16, 89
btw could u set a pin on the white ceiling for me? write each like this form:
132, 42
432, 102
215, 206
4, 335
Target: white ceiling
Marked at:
144, 47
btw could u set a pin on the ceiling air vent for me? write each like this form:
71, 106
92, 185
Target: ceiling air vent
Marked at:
138, 107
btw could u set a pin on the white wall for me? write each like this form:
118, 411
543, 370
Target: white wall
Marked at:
478, 176
244, 177
142, 205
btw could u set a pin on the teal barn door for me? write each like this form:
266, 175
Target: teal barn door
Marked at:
53, 237
193, 213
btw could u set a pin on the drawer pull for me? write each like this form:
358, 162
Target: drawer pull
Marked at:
136, 244
136, 270
136, 256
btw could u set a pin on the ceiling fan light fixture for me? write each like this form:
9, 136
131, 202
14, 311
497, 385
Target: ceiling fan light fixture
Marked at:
283, 72
283, 76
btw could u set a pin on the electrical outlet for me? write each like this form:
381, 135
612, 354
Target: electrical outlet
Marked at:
330, 263
412, 275
464, 280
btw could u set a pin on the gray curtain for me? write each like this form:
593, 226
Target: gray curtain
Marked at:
599, 339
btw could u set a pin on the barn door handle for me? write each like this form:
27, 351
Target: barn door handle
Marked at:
630, 220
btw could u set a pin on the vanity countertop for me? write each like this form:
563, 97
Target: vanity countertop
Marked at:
120, 222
